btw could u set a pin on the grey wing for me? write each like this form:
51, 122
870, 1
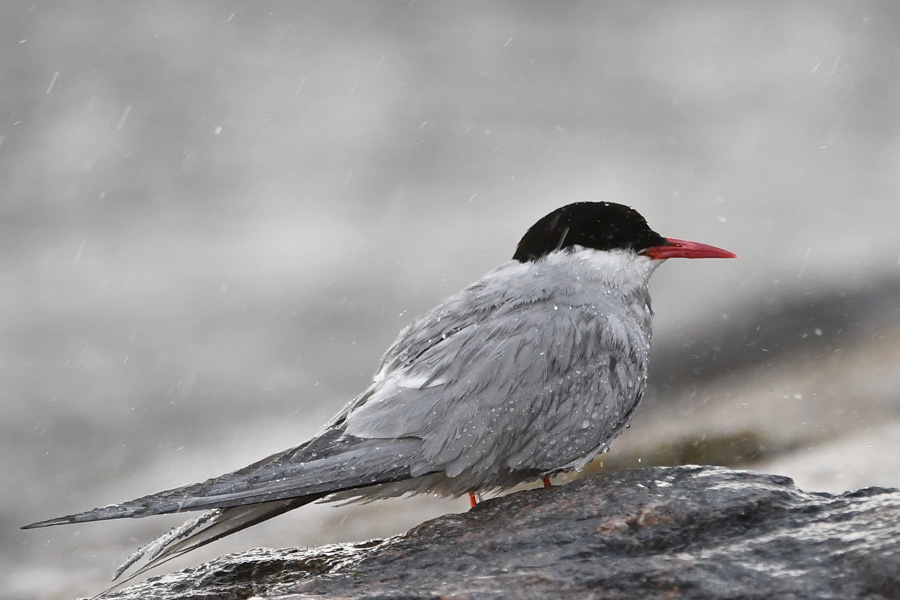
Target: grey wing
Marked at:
332, 462
326, 464
531, 387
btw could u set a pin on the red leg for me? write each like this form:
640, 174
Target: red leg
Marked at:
472, 499
547, 482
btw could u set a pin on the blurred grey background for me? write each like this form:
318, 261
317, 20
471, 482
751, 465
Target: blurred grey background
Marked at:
217, 215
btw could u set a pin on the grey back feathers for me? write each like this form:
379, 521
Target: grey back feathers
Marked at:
531, 370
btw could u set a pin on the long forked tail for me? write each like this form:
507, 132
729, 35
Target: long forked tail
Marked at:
326, 465
320, 467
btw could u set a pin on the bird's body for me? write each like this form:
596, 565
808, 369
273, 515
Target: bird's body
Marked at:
552, 346
530, 371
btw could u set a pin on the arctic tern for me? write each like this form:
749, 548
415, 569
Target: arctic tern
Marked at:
528, 372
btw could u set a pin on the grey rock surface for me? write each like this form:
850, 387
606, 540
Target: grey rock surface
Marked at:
664, 532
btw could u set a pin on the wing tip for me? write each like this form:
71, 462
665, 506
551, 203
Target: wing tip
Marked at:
49, 522
114, 511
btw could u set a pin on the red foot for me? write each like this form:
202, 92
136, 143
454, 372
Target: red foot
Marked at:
472, 499
547, 482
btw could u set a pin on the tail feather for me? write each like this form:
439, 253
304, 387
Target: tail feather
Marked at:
206, 528
314, 470
332, 463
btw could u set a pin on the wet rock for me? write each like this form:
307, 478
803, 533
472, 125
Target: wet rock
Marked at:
680, 532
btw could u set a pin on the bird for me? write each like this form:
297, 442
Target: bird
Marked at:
529, 372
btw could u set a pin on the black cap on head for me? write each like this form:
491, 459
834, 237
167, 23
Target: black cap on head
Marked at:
597, 225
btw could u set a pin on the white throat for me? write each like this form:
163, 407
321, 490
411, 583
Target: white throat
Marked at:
622, 270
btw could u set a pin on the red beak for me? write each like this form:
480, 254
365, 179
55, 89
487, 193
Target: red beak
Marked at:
683, 249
